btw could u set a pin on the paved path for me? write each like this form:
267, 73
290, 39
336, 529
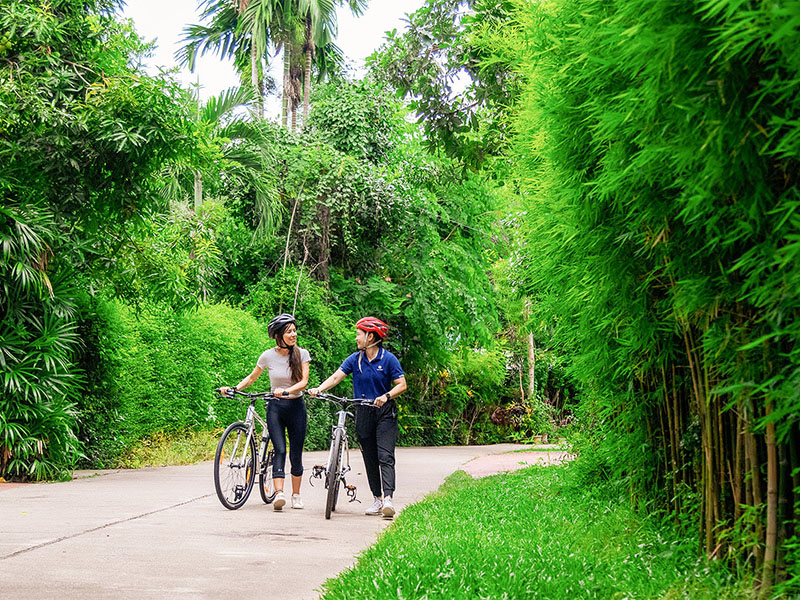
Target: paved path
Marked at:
162, 533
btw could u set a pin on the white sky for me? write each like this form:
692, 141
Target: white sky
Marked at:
164, 20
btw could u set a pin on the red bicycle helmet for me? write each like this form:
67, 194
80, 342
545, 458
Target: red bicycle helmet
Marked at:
373, 325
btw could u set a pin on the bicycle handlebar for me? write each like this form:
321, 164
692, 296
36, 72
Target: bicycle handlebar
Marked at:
232, 393
337, 399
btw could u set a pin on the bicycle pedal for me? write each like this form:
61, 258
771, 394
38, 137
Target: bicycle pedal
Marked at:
351, 492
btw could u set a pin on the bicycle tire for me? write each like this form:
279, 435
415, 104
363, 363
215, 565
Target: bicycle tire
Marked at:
333, 473
265, 484
233, 479
338, 482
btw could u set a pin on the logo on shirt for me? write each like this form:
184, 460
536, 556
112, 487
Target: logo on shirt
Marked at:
380, 367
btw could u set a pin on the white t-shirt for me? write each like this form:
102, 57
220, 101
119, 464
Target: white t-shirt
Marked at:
280, 376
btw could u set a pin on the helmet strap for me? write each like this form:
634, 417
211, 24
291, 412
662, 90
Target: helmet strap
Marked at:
363, 351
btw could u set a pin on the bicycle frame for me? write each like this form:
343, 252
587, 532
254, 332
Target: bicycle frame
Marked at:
249, 421
334, 474
344, 460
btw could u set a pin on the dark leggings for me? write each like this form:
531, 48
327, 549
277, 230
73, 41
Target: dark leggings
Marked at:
287, 416
376, 430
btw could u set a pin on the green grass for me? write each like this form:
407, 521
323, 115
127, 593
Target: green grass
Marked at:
530, 534
161, 450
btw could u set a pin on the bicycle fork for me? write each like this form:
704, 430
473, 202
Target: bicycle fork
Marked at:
320, 471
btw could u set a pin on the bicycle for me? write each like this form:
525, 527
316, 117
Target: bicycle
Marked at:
236, 460
338, 464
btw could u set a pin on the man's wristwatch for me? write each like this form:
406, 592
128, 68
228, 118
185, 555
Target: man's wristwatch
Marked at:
388, 396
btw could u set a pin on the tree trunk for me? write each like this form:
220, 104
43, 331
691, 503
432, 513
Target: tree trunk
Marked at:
531, 366
707, 483
324, 221
310, 51
673, 433
254, 78
286, 83
198, 189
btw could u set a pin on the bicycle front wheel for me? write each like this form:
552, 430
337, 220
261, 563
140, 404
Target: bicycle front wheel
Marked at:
265, 485
234, 466
333, 473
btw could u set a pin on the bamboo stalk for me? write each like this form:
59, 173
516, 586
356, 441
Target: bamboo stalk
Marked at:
755, 485
667, 480
768, 573
736, 476
672, 442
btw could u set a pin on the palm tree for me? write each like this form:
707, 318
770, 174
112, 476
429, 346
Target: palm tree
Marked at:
245, 29
230, 36
321, 28
244, 145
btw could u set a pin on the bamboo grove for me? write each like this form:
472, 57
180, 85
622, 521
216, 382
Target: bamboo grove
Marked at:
656, 151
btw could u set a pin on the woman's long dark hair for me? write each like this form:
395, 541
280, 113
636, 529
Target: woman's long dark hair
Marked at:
295, 362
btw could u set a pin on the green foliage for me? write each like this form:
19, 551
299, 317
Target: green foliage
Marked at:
559, 540
459, 91
81, 134
155, 371
178, 448
358, 119
657, 171
37, 344
174, 258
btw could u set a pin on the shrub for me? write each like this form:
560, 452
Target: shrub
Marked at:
155, 371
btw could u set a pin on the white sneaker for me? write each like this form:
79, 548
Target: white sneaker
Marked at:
297, 501
376, 507
388, 507
279, 501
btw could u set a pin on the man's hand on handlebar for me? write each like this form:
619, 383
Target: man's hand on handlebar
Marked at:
314, 392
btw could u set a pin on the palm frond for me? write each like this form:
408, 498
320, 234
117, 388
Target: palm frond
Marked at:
258, 24
217, 107
218, 36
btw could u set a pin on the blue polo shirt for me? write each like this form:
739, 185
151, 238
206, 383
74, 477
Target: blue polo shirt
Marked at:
372, 379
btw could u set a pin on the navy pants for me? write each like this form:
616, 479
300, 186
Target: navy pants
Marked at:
376, 429
287, 416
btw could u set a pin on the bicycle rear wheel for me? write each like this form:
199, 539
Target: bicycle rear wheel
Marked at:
234, 466
333, 473
265, 485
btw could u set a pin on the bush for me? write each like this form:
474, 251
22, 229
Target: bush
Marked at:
155, 371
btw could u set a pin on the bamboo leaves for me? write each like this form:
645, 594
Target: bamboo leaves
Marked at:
657, 146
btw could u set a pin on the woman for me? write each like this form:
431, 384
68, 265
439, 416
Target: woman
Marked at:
376, 374
288, 376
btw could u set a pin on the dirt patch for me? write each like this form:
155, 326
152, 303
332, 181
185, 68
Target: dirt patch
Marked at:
492, 464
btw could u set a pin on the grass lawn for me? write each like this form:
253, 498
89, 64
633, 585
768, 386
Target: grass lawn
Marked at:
530, 534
